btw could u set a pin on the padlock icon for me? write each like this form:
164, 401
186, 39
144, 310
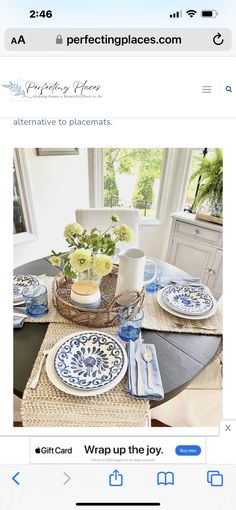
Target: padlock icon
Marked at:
59, 39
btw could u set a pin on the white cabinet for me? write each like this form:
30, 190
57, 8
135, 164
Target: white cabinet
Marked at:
215, 275
195, 247
193, 258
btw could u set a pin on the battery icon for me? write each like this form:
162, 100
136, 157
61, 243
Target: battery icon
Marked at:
209, 14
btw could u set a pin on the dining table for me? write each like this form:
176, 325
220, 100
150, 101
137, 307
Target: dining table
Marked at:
181, 355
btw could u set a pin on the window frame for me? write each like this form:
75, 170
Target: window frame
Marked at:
176, 162
26, 198
96, 187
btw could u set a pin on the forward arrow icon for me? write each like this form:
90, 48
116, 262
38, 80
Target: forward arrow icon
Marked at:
68, 478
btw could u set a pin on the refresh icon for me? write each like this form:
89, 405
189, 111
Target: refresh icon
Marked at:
217, 39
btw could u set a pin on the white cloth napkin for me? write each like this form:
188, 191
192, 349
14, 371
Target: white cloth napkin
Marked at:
181, 281
18, 320
155, 393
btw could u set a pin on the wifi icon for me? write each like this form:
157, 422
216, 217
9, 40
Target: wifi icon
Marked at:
191, 13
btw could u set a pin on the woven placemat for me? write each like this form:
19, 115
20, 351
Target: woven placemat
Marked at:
53, 315
156, 318
47, 406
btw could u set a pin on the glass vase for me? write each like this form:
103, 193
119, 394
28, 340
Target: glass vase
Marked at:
88, 275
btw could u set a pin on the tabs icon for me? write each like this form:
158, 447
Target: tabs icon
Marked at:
215, 478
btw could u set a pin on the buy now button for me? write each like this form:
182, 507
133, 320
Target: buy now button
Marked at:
189, 450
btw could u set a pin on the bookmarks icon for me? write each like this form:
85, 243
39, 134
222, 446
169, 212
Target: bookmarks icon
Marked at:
165, 478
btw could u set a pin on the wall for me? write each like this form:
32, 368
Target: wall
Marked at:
59, 185
154, 237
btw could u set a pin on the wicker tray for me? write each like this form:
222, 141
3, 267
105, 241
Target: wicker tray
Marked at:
104, 316
209, 217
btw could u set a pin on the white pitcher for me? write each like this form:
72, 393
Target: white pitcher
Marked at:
131, 272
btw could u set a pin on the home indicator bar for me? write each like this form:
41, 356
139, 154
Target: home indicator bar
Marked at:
119, 504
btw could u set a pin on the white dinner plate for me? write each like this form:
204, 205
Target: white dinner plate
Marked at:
187, 299
189, 317
58, 383
20, 282
89, 360
18, 303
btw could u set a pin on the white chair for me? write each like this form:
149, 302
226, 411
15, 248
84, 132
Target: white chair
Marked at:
101, 218
201, 403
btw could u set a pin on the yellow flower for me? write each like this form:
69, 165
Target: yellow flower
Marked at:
55, 260
80, 260
123, 233
102, 265
73, 229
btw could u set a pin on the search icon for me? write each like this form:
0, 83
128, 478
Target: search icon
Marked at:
228, 88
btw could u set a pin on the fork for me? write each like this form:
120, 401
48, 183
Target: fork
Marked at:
35, 380
182, 326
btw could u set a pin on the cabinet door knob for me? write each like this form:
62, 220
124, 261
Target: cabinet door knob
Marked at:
196, 231
210, 271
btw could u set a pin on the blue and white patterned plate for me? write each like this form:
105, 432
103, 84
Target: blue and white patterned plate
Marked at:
17, 293
19, 283
89, 360
187, 299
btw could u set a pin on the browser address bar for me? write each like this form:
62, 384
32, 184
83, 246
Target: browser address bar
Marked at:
128, 39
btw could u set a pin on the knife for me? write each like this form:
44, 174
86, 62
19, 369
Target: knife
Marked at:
140, 387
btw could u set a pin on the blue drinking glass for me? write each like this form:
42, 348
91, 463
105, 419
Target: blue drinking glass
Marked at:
156, 285
129, 329
36, 300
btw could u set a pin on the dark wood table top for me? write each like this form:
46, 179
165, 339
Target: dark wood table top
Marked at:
181, 356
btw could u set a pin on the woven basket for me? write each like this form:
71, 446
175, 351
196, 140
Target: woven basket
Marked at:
104, 316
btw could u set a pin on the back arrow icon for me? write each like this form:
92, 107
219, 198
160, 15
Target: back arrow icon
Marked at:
14, 478
217, 39
68, 478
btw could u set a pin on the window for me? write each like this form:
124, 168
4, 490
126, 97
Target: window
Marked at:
18, 214
132, 178
23, 217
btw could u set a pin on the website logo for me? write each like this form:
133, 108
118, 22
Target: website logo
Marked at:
81, 89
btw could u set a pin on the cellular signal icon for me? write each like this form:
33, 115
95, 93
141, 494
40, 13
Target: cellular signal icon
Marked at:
191, 13
177, 14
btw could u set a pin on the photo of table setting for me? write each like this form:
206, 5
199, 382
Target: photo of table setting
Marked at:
102, 339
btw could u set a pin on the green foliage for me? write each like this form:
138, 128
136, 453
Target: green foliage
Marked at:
95, 242
144, 162
149, 171
143, 195
111, 192
211, 185
68, 271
